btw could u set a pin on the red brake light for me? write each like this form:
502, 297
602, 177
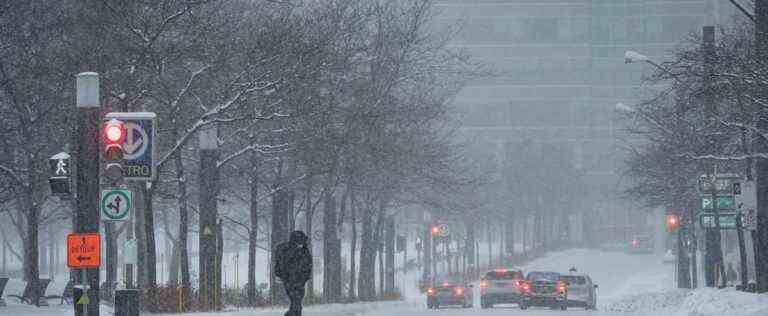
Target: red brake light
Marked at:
525, 286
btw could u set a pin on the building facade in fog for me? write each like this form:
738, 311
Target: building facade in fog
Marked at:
561, 71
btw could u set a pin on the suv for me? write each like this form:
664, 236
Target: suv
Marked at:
543, 288
500, 287
581, 290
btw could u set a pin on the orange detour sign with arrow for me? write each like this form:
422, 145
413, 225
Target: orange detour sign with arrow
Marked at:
83, 251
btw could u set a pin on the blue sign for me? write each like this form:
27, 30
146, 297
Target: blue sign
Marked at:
139, 146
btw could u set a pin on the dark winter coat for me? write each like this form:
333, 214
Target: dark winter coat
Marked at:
293, 260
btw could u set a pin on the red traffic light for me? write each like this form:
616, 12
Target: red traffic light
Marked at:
673, 222
435, 230
114, 132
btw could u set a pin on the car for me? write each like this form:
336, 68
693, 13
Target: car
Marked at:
641, 243
449, 292
581, 290
501, 286
544, 288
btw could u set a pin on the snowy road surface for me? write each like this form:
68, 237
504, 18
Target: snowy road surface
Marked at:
629, 285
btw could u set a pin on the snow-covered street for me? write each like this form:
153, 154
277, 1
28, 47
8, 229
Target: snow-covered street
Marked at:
628, 285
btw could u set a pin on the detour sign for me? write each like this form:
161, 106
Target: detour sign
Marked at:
83, 251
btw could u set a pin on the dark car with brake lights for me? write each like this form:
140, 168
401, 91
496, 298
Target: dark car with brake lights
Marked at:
544, 288
449, 292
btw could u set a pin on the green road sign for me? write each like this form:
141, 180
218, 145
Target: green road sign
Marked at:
723, 203
115, 204
727, 220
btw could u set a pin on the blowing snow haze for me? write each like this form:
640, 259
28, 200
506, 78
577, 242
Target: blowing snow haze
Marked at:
372, 158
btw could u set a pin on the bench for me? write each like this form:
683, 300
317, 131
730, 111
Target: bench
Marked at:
34, 295
3, 283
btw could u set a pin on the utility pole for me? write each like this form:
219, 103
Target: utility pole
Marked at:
209, 156
760, 236
86, 215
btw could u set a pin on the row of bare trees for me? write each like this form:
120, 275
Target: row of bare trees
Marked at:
704, 110
339, 103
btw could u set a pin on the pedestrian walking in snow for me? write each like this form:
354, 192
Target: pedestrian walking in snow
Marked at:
293, 265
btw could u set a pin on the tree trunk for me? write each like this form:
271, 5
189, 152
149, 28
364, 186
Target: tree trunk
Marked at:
280, 233
174, 263
352, 247
509, 233
379, 250
309, 213
469, 248
149, 231
186, 284
43, 252
217, 299
31, 260
331, 252
365, 285
253, 232
489, 234
390, 257
141, 247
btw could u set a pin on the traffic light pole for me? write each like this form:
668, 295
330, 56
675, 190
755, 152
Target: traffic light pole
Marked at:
86, 215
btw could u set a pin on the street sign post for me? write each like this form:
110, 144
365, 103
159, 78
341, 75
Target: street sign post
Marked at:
727, 220
116, 204
139, 144
84, 251
59, 171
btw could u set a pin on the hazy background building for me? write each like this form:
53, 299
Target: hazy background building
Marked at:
561, 72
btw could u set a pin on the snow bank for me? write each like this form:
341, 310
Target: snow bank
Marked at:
700, 302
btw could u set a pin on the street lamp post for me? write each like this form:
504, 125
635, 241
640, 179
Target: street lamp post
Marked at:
86, 216
634, 57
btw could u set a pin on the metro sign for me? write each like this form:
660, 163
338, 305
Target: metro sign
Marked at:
138, 144
84, 251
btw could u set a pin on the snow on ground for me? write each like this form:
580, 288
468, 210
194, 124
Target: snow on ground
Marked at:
630, 285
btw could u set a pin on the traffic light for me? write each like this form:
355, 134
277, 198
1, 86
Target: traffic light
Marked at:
434, 230
673, 222
112, 153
